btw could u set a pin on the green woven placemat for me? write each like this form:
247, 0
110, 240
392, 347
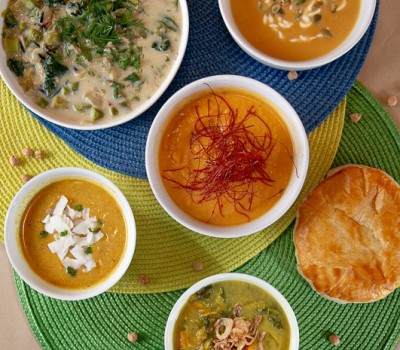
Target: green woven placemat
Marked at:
165, 250
103, 322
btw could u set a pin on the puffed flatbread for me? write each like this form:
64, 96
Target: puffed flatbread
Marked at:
347, 235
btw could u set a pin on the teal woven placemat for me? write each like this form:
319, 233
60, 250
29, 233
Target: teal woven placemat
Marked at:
103, 322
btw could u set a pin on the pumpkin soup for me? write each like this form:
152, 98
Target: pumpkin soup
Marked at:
232, 315
226, 156
295, 30
73, 234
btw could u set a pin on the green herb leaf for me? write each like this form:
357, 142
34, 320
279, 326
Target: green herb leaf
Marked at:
133, 78
63, 233
52, 68
17, 67
43, 234
78, 207
50, 87
71, 271
88, 250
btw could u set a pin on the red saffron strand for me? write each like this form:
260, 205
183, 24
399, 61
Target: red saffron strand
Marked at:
230, 158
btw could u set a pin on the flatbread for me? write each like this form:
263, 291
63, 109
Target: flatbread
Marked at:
347, 235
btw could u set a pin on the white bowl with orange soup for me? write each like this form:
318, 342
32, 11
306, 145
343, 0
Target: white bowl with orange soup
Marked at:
297, 34
226, 156
70, 233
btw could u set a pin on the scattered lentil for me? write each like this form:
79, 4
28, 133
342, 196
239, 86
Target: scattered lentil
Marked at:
355, 117
293, 75
392, 101
15, 161
132, 337
334, 339
143, 279
25, 178
198, 266
27, 152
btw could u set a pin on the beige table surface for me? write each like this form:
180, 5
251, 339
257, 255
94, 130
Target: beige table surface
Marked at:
380, 74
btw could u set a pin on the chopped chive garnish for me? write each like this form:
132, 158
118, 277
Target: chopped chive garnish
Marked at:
78, 207
43, 234
63, 233
71, 271
88, 250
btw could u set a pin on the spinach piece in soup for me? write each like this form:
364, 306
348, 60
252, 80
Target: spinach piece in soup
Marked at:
49, 87
52, 68
17, 67
9, 19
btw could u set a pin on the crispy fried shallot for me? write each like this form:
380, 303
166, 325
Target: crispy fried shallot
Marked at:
236, 333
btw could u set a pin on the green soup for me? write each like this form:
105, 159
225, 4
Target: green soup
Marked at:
231, 312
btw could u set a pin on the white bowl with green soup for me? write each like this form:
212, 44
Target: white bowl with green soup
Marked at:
91, 64
232, 311
70, 233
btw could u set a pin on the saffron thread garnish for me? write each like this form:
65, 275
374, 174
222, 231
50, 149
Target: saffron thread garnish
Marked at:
229, 157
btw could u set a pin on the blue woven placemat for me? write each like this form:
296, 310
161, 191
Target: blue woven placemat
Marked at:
212, 51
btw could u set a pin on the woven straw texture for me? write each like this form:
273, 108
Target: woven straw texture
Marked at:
103, 322
211, 51
165, 250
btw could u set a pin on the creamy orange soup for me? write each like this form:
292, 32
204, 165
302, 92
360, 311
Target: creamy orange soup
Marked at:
295, 30
226, 156
106, 252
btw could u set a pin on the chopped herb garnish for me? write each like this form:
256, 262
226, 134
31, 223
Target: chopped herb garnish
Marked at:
133, 78
78, 207
71, 271
63, 233
17, 67
43, 234
88, 250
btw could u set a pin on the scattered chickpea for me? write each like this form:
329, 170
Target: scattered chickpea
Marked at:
25, 178
392, 101
292, 75
143, 279
355, 117
15, 161
39, 154
198, 266
132, 337
334, 339
27, 152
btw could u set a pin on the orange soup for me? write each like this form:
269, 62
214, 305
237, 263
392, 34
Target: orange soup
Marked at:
73, 234
295, 30
226, 156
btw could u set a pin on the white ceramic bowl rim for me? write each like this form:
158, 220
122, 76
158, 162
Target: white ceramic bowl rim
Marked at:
180, 303
295, 128
18, 92
363, 22
11, 236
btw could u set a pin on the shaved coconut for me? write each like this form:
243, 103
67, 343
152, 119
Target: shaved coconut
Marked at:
83, 227
89, 265
58, 223
49, 227
82, 231
60, 206
46, 220
74, 263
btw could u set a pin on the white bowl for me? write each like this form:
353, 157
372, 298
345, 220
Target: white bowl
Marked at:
12, 237
181, 302
56, 118
300, 157
363, 22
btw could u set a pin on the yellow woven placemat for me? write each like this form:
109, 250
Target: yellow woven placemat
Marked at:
165, 250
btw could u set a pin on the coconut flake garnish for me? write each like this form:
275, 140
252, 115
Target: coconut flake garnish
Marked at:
73, 231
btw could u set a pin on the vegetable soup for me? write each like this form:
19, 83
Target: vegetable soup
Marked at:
234, 315
295, 30
73, 234
91, 60
226, 156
